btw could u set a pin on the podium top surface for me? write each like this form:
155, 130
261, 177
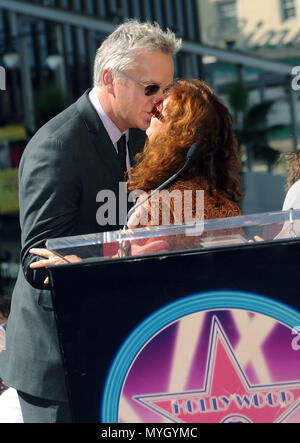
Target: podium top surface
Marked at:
208, 234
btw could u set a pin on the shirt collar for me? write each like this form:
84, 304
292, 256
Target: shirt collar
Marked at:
114, 133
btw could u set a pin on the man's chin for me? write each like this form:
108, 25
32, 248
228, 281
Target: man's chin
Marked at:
144, 125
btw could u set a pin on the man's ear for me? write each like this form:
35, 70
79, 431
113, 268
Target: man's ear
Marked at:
108, 80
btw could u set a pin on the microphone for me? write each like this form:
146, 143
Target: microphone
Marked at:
192, 154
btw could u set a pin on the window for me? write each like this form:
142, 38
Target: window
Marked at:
288, 8
227, 16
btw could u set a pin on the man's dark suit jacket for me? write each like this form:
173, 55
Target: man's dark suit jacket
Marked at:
64, 166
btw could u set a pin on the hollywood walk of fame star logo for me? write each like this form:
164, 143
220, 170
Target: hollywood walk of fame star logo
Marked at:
227, 395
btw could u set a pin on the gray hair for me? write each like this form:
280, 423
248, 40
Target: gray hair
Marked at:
120, 48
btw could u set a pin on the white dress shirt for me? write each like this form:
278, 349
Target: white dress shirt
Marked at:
114, 133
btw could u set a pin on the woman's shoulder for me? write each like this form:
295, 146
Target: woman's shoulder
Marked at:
193, 183
292, 199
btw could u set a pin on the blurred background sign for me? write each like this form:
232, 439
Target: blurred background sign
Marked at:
12, 133
9, 202
13, 139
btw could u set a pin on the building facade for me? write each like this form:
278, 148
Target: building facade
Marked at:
56, 41
268, 29
53, 42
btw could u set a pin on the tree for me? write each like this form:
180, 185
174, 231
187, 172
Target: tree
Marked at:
50, 101
251, 126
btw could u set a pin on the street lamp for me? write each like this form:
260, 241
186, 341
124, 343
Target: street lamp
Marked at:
209, 61
54, 61
21, 58
11, 59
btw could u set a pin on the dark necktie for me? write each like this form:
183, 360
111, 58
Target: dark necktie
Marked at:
122, 152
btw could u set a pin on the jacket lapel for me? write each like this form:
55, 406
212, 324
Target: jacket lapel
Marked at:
136, 143
101, 141
99, 137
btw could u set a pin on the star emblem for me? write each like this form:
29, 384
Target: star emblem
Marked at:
227, 396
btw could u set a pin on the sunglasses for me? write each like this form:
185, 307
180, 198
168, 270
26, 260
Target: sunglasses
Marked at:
157, 109
149, 90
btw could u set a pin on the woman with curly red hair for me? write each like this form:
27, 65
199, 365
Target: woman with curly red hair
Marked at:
192, 113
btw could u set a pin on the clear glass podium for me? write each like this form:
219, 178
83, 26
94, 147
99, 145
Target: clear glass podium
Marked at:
217, 233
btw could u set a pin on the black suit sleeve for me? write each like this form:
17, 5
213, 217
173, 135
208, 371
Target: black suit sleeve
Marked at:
50, 194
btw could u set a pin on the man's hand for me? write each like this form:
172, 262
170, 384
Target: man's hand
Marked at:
50, 260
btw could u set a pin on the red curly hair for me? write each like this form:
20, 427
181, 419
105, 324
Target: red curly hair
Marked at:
193, 114
293, 173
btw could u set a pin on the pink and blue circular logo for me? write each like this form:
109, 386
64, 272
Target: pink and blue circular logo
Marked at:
217, 357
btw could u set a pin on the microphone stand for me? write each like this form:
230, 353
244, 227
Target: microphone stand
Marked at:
192, 154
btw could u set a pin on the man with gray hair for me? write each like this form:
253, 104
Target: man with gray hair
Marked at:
80, 152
